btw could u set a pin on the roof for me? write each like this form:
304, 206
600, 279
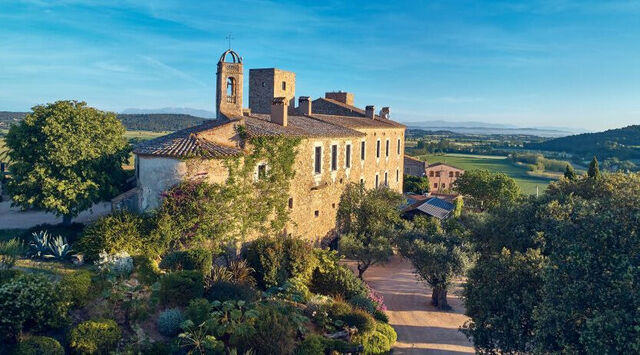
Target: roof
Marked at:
414, 159
354, 121
443, 164
433, 206
297, 126
185, 143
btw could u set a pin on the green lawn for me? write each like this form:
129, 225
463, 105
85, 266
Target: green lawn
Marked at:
519, 173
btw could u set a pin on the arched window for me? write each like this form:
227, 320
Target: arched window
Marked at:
231, 87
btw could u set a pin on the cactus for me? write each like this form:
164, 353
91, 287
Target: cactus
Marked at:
59, 248
39, 244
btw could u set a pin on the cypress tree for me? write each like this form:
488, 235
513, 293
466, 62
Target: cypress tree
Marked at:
594, 169
570, 173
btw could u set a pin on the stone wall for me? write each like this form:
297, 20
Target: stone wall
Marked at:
442, 177
414, 167
327, 108
265, 84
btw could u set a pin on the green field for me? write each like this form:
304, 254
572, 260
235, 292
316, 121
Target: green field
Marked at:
525, 179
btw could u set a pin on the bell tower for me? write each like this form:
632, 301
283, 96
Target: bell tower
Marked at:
229, 85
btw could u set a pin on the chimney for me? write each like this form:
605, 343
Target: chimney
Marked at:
304, 105
341, 96
384, 113
279, 112
370, 111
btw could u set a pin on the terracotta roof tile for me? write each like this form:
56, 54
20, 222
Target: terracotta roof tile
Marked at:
298, 126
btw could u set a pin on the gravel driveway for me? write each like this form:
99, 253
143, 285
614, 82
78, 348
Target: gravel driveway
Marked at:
421, 328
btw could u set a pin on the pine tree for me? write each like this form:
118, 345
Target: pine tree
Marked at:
594, 169
570, 173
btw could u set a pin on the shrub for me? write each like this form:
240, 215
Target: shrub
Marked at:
275, 260
169, 322
379, 341
360, 319
8, 275
29, 302
274, 333
293, 289
226, 291
37, 345
178, 288
338, 309
10, 251
74, 287
120, 231
198, 310
238, 272
363, 303
314, 344
147, 269
381, 316
94, 337
115, 265
198, 259
337, 281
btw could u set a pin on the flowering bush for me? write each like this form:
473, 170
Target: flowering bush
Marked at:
118, 264
377, 299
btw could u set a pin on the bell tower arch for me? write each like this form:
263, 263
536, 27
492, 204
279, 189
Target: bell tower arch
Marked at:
229, 85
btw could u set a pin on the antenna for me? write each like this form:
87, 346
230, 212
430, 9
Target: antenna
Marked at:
229, 38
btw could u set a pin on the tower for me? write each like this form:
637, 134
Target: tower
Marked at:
269, 83
229, 85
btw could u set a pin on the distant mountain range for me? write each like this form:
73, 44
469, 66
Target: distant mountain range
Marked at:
622, 143
474, 127
176, 110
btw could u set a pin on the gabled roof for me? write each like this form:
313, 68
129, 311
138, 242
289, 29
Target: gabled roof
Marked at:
414, 159
297, 126
359, 120
186, 143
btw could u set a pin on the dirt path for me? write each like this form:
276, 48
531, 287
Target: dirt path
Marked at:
421, 328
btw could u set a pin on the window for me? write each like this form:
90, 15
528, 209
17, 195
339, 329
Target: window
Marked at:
398, 146
378, 149
397, 175
386, 151
435, 185
431, 173
334, 157
443, 185
451, 174
386, 180
262, 171
333, 205
290, 202
318, 160
457, 174
437, 174
284, 85
264, 84
362, 149
316, 213
347, 156
231, 87
361, 181
377, 178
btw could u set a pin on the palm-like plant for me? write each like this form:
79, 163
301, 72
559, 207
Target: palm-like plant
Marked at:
44, 246
196, 339
59, 247
39, 244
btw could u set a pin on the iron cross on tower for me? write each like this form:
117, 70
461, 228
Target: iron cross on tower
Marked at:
229, 38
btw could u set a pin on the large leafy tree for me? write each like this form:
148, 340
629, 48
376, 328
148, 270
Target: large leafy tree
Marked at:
438, 256
580, 293
487, 190
367, 221
416, 184
65, 156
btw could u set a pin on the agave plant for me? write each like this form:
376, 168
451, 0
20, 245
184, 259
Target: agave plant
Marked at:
39, 244
59, 248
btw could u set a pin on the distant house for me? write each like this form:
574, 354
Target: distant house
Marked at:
414, 166
442, 176
429, 206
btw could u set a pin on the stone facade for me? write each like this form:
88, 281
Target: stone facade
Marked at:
442, 176
368, 150
341, 96
414, 166
265, 84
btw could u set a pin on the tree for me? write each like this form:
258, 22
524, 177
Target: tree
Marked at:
594, 169
570, 173
487, 190
438, 258
416, 184
65, 157
367, 221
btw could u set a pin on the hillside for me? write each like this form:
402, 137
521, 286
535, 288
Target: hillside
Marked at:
622, 143
156, 122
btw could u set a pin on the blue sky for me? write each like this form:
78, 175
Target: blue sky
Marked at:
528, 63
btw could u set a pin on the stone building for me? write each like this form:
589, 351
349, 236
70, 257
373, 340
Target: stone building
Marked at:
414, 166
442, 176
340, 143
